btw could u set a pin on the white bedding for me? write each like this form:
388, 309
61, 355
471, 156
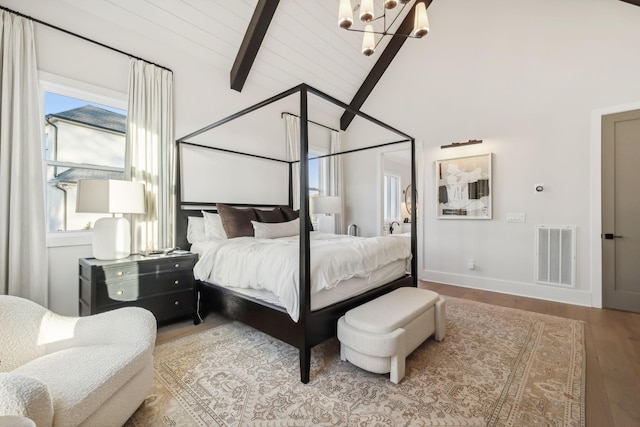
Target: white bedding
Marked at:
272, 264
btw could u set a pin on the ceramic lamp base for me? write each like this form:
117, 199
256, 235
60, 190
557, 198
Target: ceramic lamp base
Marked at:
327, 224
111, 238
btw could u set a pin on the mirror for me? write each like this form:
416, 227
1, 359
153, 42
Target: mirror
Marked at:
407, 199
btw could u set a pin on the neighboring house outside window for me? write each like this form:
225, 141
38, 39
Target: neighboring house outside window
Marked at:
86, 141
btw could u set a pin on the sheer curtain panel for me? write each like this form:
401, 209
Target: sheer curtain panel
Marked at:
23, 248
335, 176
151, 153
292, 129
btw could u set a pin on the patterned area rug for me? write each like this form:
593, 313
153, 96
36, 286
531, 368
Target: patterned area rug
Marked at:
496, 367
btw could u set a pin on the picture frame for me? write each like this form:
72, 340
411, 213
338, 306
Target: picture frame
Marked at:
463, 187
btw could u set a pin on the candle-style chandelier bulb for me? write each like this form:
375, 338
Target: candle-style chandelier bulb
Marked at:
366, 11
390, 4
420, 21
368, 41
345, 15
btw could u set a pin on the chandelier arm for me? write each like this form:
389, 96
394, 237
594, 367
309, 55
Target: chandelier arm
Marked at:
383, 34
394, 19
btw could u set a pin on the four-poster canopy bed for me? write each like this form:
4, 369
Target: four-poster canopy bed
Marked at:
313, 325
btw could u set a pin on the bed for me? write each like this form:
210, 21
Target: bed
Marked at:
307, 313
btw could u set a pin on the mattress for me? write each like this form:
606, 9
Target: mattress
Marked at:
267, 269
346, 289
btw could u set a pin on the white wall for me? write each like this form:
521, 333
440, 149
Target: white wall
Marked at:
525, 77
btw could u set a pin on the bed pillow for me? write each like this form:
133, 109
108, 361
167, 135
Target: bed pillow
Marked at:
237, 221
264, 230
213, 229
274, 215
195, 229
290, 215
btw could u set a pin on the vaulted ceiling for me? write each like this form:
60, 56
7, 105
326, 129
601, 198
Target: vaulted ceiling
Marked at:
299, 42
269, 43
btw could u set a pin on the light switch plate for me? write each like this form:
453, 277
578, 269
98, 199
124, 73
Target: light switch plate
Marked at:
516, 217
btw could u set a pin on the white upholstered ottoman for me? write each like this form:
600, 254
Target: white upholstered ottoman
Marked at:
378, 335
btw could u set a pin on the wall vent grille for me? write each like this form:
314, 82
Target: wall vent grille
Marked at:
556, 255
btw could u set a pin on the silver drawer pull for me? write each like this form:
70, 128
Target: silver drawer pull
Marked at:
177, 265
177, 303
177, 282
119, 273
120, 292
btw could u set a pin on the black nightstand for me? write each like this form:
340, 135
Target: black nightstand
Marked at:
162, 284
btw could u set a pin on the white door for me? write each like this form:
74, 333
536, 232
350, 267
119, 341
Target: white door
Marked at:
621, 211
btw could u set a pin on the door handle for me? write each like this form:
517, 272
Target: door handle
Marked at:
610, 236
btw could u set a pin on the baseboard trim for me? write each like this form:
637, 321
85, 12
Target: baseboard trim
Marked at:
538, 291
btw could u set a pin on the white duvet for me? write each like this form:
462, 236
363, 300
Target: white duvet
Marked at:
272, 264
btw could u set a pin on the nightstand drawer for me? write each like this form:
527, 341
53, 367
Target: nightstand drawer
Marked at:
134, 288
173, 305
124, 271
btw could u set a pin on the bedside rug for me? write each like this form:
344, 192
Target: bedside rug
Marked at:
496, 367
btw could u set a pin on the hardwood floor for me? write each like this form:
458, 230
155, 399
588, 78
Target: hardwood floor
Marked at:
183, 328
612, 340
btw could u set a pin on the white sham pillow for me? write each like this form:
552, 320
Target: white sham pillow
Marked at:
195, 230
213, 228
273, 230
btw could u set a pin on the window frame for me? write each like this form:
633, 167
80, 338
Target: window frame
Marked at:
386, 187
53, 83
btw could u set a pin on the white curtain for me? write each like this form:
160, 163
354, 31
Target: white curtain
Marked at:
23, 249
292, 130
150, 144
335, 176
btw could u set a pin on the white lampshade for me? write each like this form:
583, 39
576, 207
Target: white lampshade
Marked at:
111, 236
345, 15
110, 196
368, 41
366, 11
420, 20
325, 205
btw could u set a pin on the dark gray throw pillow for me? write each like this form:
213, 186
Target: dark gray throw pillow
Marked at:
236, 221
271, 216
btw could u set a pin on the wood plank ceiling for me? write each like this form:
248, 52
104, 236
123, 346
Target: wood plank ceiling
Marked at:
302, 42
258, 28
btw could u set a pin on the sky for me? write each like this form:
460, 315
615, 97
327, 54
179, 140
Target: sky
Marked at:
55, 103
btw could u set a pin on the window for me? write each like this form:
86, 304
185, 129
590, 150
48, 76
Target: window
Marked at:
391, 198
315, 181
84, 139
314, 175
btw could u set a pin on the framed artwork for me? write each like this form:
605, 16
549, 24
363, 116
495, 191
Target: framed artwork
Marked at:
464, 187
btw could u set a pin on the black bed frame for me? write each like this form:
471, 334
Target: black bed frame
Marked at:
313, 327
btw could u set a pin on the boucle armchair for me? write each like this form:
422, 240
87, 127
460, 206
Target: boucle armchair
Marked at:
74, 371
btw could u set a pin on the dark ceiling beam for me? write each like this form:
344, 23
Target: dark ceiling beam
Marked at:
636, 2
250, 46
396, 42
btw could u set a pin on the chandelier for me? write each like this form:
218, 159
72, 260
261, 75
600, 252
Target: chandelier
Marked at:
367, 16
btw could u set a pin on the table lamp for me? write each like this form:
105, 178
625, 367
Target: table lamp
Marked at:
111, 235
